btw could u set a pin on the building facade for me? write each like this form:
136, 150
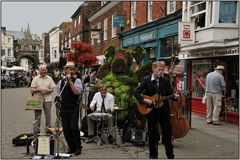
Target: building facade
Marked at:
54, 44
7, 50
80, 25
101, 22
46, 47
215, 41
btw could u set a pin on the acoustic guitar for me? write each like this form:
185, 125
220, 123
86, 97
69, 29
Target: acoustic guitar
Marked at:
157, 100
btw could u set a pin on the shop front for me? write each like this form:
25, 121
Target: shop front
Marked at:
159, 38
199, 64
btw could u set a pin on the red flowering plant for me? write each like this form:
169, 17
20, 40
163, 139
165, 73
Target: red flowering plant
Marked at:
122, 56
81, 53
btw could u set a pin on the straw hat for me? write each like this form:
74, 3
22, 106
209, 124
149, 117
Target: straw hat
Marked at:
219, 67
70, 64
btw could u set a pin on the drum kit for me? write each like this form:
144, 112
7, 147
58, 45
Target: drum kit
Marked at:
117, 135
99, 117
44, 143
103, 133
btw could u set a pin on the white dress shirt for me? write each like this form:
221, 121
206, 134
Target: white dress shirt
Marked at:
97, 99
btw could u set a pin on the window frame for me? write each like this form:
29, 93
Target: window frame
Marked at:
171, 4
99, 27
236, 12
149, 8
133, 14
105, 29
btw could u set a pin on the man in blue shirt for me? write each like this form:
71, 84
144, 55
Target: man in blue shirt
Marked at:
215, 89
69, 90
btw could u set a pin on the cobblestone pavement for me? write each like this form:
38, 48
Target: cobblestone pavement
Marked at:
203, 141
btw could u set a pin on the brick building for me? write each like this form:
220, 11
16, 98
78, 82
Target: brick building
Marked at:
136, 15
80, 25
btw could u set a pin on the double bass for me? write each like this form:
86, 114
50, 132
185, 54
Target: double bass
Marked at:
180, 124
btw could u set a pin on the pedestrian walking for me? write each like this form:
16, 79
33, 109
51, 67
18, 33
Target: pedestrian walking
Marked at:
215, 90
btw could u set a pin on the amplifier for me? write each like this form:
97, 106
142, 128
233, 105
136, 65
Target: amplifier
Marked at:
138, 136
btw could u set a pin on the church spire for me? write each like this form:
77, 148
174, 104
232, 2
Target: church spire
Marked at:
28, 32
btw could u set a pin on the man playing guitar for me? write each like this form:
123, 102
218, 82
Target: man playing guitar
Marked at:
157, 84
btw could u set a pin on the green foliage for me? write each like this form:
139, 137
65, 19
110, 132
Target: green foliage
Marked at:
109, 60
138, 53
129, 80
119, 66
119, 77
121, 50
109, 51
144, 71
108, 78
103, 70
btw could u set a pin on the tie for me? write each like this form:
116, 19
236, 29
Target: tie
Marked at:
103, 105
156, 82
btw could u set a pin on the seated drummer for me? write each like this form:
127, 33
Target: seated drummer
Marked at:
103, 102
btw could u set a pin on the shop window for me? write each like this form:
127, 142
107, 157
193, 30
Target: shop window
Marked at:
169, 46
152, 53
227, 12
232, 82
200, 69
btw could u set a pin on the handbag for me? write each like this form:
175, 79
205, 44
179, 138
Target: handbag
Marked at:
33, 103
204, 100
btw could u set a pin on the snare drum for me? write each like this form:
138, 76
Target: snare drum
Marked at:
99, 116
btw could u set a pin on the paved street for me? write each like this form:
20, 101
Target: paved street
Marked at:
202, 142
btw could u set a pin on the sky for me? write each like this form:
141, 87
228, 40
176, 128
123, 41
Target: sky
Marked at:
41, 16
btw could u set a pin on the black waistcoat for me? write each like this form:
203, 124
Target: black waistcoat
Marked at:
68, 98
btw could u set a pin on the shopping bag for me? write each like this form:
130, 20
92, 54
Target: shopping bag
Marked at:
204, 100
33, 103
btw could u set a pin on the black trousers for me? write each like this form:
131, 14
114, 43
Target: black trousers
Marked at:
161, 116
70, 118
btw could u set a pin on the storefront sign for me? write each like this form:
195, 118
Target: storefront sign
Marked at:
118, 21
186, 33
179, 84
209, 53
148, 36
95, 34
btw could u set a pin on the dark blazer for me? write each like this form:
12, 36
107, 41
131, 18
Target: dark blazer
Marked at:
149, 88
